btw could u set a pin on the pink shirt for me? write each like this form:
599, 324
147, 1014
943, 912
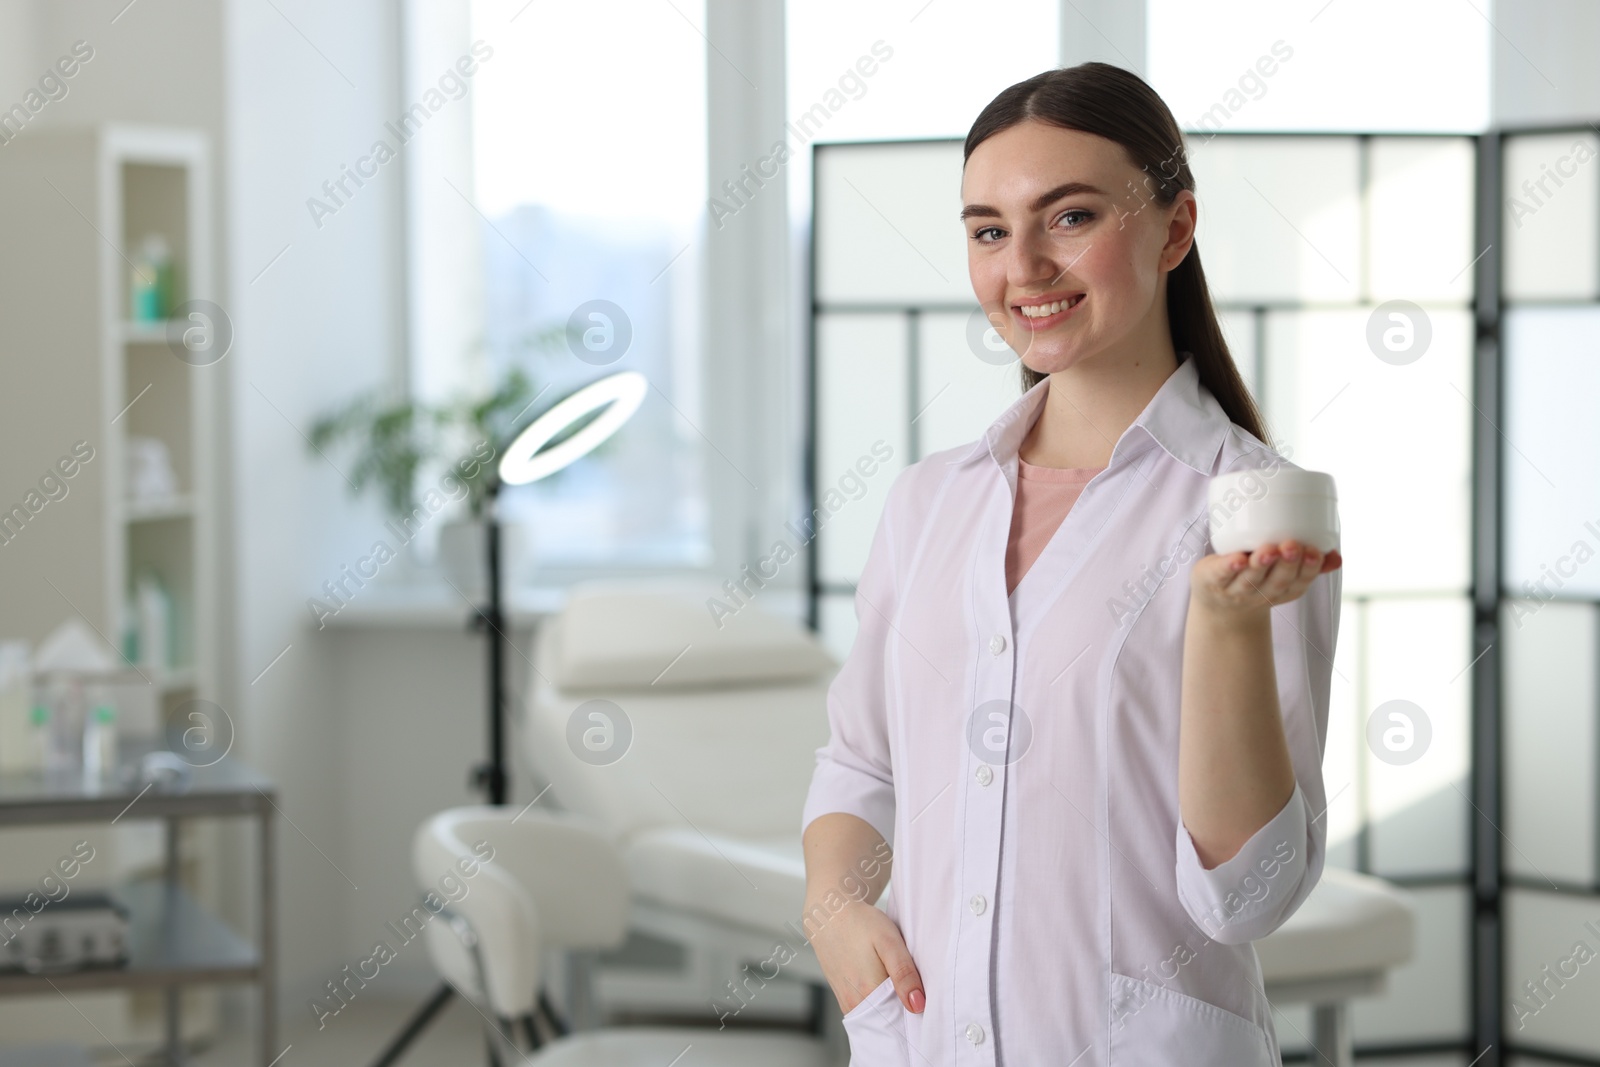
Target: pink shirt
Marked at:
1044, 496
1020, 755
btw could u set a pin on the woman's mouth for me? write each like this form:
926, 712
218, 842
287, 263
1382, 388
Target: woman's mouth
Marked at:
1042, 316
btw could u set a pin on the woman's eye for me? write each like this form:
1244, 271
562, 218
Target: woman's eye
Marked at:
1079, 214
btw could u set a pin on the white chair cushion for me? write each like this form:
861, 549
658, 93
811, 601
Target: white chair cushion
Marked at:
658, 1046
661, 634
1350, 923
728, 759
760, 883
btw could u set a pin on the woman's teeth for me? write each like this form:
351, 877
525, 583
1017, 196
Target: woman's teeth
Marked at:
1039, 311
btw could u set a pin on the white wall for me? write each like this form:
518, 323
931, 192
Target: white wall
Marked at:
412, 703
17, 43
366, 731
309, 87
157, 63
287, 92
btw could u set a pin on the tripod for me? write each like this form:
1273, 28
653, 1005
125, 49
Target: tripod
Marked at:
489, 776
616, 397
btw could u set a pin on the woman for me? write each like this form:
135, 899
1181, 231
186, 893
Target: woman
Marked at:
1090, 748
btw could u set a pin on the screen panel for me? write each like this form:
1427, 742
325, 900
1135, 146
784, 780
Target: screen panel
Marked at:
1341, 758
1549, 705
1552, 489
1396, 438
1553, 998
1419, 219
861, 399
1279, 218
1550, 219
959, 393
1239, 329
1417, 764
837, 623
888, 226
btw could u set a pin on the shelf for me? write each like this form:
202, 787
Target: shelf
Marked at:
175, 678
54, 1055
110, 370
224, 788
172, 940
180, 506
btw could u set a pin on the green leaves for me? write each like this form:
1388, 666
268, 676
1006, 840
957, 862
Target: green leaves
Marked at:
395, 441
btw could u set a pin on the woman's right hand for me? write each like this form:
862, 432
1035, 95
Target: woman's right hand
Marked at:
857, 947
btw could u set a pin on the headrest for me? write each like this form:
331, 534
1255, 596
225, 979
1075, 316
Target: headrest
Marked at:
675, 633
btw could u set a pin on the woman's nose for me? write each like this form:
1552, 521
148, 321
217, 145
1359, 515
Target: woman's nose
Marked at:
1032, 263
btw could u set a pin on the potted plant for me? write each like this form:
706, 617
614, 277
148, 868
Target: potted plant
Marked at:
399, 441
462, 540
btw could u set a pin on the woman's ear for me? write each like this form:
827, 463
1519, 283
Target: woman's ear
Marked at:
1182, 215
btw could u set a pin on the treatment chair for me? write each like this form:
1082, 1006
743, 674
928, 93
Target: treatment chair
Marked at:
506, 887
713, 727
717, 730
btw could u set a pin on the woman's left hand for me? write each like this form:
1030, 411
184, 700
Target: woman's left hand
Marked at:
1243, 584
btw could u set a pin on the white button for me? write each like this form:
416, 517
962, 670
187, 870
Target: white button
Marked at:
975, 1033
997, 644
985, 775
978, 903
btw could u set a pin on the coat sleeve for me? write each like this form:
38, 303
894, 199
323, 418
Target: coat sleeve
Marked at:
1254, 892
854, 772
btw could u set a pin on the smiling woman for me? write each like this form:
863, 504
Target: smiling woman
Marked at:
1069, 796
1129, 160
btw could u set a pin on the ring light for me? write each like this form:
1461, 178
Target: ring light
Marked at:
524, 462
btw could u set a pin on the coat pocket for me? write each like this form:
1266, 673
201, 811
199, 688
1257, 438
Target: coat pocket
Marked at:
1153, 1026
876, 1029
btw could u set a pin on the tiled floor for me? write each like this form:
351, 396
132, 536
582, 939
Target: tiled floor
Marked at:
455, 1038
358, 1034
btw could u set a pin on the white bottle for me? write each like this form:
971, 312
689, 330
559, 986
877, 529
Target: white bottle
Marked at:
100, 745
39, 738
154, 609
67, 718
16, 697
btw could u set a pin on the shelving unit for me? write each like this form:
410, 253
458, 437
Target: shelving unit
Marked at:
75, 205
174, 940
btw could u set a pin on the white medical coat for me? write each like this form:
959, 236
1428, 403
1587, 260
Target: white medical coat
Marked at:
1020, 754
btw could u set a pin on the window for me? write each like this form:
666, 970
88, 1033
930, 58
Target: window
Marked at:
589, 150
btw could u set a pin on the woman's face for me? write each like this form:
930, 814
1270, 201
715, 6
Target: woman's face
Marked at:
1060, 215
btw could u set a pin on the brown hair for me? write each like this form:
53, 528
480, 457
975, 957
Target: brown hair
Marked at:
1118, 105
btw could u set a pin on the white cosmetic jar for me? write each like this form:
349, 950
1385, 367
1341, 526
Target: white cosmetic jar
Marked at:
1251, 508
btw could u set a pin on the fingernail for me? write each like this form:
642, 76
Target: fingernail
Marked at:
918, 1001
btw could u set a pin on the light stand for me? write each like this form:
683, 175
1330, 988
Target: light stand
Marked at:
491, 777
527, 460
